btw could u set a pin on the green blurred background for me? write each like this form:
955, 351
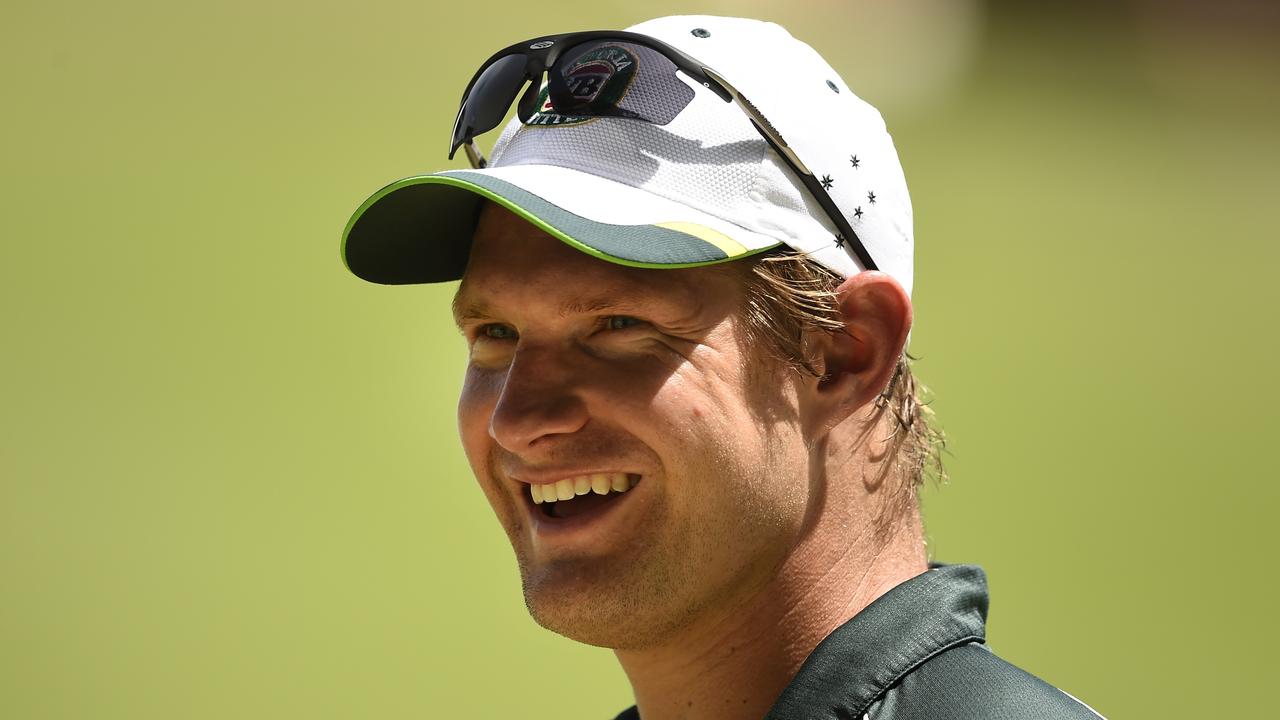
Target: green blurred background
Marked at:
229, 478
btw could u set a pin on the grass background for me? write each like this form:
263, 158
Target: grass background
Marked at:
229, 478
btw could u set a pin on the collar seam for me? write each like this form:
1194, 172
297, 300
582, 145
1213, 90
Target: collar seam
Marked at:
957, 642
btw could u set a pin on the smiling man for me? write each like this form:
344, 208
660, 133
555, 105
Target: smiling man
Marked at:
685, 290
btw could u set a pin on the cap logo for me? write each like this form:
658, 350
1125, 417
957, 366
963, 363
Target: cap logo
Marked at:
599, 78
591, 85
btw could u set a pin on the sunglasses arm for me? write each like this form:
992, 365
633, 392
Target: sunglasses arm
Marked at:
474, 156
762, 123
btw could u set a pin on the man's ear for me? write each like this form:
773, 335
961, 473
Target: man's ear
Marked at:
858, 363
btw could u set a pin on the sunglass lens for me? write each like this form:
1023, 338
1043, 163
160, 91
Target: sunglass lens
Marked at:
490, 96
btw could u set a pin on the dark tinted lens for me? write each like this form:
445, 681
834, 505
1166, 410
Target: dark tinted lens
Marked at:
609, 78
487, 102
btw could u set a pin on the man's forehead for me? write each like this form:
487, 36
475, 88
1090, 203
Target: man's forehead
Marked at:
573, 290
511, 257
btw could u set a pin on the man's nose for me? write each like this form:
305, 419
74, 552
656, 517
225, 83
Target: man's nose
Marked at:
540, 400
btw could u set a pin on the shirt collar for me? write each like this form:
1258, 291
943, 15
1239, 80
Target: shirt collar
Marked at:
917, 619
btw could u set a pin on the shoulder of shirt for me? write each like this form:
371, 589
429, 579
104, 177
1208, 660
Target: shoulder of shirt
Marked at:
970, 681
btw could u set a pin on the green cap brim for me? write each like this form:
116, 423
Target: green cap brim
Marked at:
418, 230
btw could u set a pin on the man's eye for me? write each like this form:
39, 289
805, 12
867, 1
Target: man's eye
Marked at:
621, 322
494, 331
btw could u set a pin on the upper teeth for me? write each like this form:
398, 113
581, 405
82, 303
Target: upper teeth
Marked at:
569, 488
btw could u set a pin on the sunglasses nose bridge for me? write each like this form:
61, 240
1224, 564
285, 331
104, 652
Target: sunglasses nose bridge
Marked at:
528, 104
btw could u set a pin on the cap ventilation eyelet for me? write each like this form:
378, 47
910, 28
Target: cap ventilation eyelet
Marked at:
699, 33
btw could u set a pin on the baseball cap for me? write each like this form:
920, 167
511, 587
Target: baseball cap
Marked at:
676, 178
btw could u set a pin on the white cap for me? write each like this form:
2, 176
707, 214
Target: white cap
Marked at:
695, 184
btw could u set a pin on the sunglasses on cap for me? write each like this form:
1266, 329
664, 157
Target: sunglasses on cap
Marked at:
499, 80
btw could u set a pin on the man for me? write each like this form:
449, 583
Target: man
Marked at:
685, 290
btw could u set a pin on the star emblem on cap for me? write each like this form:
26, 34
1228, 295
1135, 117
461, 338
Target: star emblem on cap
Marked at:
827, 182
871, 197
839, 240
853, 160
857, 212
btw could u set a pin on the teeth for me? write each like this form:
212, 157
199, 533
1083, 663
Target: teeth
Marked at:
569, 488
564, 489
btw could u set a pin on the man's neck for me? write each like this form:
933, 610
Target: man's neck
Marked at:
735, 664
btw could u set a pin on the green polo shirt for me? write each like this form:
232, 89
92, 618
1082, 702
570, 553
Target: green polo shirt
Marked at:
918, 652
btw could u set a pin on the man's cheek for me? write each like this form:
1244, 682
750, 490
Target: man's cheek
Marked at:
475, 409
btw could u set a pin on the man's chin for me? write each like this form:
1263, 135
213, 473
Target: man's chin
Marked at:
596, 605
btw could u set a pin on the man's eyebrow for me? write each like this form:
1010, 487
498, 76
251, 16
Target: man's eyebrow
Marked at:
467, 309
618, 299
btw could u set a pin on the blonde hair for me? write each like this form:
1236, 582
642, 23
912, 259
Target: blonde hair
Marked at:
789, 296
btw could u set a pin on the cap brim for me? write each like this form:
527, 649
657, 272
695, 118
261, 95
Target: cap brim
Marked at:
418, 230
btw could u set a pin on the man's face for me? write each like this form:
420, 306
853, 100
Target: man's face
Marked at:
579, 367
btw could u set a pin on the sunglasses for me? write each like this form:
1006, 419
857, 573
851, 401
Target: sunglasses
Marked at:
499, 80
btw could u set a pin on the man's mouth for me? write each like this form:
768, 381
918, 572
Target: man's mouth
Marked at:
580, 495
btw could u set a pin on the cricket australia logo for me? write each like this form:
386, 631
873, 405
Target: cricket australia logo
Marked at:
593, 85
